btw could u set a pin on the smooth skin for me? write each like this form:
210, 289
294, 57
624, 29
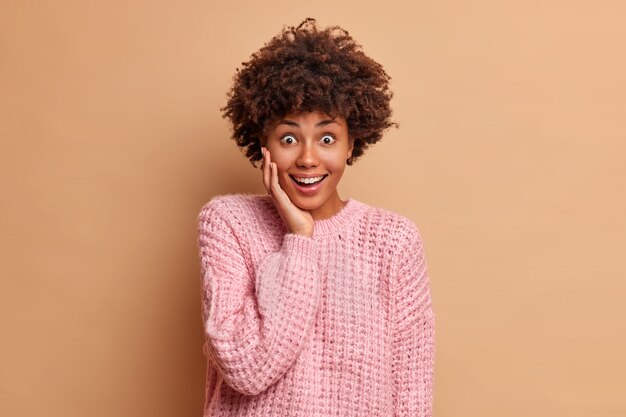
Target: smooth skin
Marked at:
305, 143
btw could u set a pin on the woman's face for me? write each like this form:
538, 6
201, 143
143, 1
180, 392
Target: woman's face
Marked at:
310, 144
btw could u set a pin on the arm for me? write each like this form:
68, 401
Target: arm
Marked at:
256, 322
413, 332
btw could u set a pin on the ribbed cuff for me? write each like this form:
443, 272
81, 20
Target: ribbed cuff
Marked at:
300, 243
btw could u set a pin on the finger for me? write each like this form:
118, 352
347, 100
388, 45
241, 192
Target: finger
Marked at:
266, 171
275, 185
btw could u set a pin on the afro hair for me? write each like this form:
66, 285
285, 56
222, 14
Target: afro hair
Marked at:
306, 69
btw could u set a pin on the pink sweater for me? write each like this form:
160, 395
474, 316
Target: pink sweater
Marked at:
337, 324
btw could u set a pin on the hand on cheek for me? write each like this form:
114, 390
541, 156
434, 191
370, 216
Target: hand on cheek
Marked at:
296, 220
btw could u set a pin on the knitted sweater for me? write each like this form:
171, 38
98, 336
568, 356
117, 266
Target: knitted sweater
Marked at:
337, 324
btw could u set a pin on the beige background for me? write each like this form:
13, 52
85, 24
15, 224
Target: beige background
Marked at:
509, 157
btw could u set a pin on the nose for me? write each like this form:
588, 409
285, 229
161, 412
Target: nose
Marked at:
307, 157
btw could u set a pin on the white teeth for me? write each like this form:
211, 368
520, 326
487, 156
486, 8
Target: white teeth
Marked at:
308, 180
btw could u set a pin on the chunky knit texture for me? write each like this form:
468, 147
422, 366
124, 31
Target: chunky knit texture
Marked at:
337, 324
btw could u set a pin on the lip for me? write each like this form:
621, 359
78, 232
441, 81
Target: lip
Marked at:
307, 175
308, 190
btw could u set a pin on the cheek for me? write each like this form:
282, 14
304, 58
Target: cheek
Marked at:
281, 170
335, 163
281, 167
281, 159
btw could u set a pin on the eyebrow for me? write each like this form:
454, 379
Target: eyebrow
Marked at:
322, 123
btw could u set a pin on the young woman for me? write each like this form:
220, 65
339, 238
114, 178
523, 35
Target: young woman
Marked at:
312, 305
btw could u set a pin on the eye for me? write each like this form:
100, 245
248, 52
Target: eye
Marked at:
292, 137
325, 137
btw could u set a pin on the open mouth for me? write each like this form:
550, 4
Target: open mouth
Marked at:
305, 185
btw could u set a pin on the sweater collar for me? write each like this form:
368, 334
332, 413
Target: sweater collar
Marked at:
332, 225
339, 221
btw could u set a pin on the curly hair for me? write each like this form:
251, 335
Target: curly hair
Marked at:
306, 69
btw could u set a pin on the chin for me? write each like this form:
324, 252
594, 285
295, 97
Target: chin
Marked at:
307, 203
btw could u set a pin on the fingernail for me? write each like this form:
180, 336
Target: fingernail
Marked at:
263, 151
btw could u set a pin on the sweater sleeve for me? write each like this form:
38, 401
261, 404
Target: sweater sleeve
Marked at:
413, 332
255, 321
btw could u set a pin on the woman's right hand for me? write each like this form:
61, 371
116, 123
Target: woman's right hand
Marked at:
296, 220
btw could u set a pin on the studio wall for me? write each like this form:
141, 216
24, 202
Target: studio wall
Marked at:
509, 158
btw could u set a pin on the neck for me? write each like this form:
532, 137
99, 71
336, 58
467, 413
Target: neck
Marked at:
331, 207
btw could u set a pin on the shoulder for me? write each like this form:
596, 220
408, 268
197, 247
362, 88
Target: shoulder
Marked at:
234, 208
397, 229
222, 203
